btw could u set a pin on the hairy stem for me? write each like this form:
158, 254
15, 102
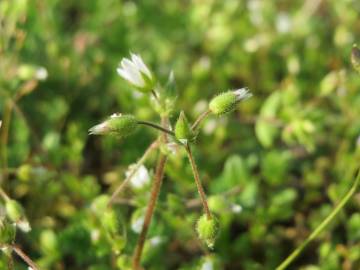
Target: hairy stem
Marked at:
153, 125
322, 225
4, 195
155, 190
22, 255
200, 119
148, 151
26, 258
198, 182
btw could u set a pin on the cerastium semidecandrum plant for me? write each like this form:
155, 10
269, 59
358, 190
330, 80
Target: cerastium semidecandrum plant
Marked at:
183, 133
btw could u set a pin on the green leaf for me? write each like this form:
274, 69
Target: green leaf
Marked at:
265, 129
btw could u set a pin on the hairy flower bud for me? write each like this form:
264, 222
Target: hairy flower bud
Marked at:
227, 101
183, 131
137, 73
355, 58
14, 210
16, 214
207, 229
117, 124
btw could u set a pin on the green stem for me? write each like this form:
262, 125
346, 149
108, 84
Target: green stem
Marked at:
200, 119
156, 126
322, 225
155, 190
25, 257
198, 182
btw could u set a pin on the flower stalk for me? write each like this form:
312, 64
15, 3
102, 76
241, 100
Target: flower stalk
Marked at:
155, 190
322, 225
198, 181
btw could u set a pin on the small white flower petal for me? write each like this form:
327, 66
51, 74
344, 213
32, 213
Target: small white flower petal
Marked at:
98, 129
123, 73
242, 93
141, 65
133, 73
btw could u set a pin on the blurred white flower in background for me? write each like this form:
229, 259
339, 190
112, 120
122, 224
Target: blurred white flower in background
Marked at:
41, 73
136, 224
140, 178
283, 23
207, 265
156, 240
236, 208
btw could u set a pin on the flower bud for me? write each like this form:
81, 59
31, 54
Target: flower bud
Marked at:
117, 124
207, 229
14, 210
183, 131
227, 101
7, 232
355, 58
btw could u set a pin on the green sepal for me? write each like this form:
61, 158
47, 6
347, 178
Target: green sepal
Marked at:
183, 131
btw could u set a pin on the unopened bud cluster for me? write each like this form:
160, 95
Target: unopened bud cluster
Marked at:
134, 71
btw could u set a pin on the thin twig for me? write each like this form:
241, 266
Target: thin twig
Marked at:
22, 255
200, 119
155, 190
4, 195
198, 182
156, 126
152, 146
322, 225
26, 258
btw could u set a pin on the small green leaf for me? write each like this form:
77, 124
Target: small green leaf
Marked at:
265, 129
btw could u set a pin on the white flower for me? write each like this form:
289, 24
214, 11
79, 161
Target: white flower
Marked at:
137, 224
236, 208
242, 93
136, 72
41, 73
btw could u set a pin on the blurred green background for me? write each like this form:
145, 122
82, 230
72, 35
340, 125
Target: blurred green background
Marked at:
272, 170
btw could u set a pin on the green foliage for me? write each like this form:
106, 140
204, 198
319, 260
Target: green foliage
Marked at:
286, 156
